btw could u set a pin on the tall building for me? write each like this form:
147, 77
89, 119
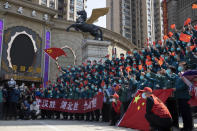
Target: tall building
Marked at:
67, 9
178, 11
137, 20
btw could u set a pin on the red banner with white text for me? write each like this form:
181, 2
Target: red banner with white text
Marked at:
72, 106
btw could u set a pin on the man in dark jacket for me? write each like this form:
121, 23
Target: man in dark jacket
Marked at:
182, 96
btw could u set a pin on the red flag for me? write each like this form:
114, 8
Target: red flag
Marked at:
148, 62
129, 52
187, 21
55, 52
128, 69
154, 43
140, 67
165, 37
170, 34
195, 27
185, 37
135, 116
194, 6
173, 26
160, 42
102, 83
148, 57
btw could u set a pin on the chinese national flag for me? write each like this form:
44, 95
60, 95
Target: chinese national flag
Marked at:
148, 62
148, 57
129, 52
165, 37
128, 68
55, 52
187, 21
140, 67
172, 26
154, 43
194, 6
195, 27
135, 115
192, 47
102, 83
170, 34
185, 38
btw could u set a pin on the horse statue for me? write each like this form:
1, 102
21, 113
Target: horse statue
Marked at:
84, 25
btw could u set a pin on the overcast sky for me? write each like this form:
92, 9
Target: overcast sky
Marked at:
92, 4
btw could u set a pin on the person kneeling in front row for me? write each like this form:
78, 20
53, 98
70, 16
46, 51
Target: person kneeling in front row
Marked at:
157, 114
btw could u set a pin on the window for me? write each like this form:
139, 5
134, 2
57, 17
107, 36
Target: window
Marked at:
43, 2
52, 3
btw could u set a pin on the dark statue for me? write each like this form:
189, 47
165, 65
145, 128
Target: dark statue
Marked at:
81, 25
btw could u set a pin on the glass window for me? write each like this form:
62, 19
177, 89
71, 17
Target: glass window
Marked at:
52, 3
43, 2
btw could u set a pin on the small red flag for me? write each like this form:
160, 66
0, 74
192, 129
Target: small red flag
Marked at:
165, 37
129, 52
140, 67
128, 69
148, 62
55, 52
170, 34
148, 57
160, 42
154, 43
187, 21
185, 37
102, 83
194, 6
173, 26
195, 27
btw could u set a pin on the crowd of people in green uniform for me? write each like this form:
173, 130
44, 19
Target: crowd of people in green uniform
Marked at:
157, 66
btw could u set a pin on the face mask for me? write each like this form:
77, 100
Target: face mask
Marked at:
158, 75
120, 81
141, 77
172, 49
168, 71
178, 49
144, 95
186, 52
166, 58
180, 68
143, 51
148, 75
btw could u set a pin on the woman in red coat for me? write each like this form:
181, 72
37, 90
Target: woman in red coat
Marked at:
115, 110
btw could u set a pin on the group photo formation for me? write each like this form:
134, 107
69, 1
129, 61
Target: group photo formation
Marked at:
125, 65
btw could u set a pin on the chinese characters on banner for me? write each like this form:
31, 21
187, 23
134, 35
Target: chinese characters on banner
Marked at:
73, 106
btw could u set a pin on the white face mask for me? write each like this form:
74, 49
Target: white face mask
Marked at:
144, 95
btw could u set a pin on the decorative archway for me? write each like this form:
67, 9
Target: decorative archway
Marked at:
21, 49
70, 59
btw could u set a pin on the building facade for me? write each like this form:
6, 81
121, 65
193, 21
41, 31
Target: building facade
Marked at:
179, 10
67, 9
27, 28
137, 20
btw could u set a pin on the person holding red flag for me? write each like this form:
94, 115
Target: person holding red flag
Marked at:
115, 111
157, 114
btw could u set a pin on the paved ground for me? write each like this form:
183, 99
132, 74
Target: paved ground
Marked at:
60, 125
56, 125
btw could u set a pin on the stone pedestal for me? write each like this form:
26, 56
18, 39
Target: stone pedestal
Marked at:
94, 50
